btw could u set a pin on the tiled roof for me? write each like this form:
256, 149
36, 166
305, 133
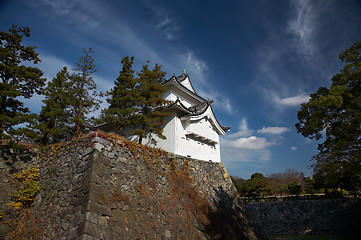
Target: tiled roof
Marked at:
195, 110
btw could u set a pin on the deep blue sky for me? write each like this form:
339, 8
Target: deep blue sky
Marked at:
258, 59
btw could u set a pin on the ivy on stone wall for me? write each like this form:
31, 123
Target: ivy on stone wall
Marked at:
27, 187
23, 224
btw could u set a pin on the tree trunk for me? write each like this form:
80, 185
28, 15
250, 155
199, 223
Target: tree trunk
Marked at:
140, 137
77, 123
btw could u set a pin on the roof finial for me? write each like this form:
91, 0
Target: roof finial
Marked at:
184, 71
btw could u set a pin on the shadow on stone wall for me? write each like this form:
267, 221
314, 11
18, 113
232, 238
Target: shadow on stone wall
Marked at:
227, 221
328, 216
349, 219
14, 159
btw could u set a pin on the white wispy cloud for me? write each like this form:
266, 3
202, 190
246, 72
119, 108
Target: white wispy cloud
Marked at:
220, 101
242, 146
280, 103
294, 148
227, 105
297, 41
246, 147
294, 101
273, 130
196, 67
165, 23
303, 25
243, 130
252, 143
60, 7
197, 70
234, 155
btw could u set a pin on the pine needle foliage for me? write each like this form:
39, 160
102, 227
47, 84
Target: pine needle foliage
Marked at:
17, 80
54, 119
83, 92
138, 102
152, 105
335, 114
123, 97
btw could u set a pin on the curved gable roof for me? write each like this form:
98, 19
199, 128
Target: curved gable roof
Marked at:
183, 83
211, 116
197, 111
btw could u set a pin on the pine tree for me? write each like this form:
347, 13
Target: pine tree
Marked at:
17, 81
54, 117
138, 102
152, 105
334, 114
122, 98
84, 96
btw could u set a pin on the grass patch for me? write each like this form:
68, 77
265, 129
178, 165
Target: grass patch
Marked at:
304, 237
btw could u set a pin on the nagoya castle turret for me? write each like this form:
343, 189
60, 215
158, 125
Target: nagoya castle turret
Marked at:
192, 129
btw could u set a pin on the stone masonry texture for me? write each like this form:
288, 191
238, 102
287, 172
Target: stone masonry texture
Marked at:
319, 216
101, 187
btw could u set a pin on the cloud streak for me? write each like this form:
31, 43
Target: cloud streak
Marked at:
198, 70
243, 130
303, 25
296, 42
245, 146
273, 130
165, 23
294, 101
252, 143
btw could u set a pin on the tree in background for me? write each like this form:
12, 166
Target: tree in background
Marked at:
238, 183
309, 185
54, 119
84, 96
123, 98
335, 113
294, 188
257, 185
152, 105
17, 81
279, 182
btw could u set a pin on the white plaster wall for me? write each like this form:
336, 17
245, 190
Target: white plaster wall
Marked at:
176, 129
198, 150
167, 144
178, 143
188, 146
204, 128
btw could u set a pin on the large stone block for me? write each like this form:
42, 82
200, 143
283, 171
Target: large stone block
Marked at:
98, 208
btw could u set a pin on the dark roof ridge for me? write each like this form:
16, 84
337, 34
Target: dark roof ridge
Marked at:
182, 77
174, 78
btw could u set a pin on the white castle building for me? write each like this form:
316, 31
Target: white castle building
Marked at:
192, 129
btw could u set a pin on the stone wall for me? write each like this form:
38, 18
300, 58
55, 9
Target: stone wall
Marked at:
11, 161
327, 216
101, 187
